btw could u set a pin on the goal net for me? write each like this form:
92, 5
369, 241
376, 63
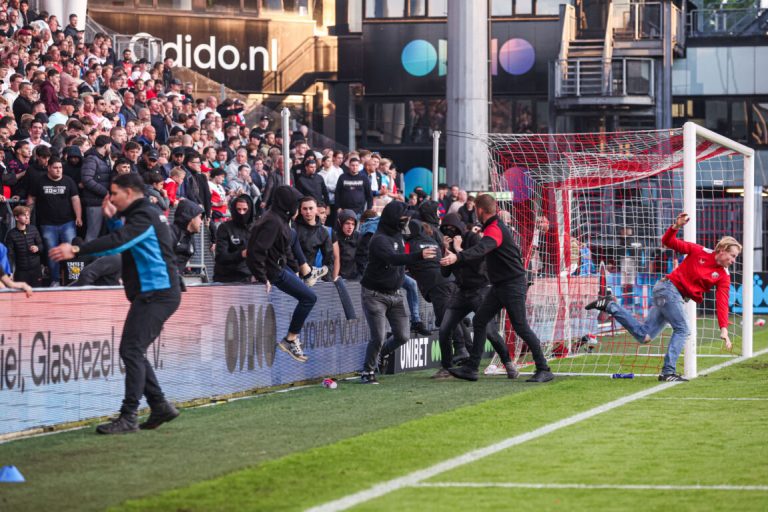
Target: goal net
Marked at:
589, 211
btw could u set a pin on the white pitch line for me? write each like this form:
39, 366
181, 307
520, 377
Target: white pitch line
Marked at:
419, 476
629, 487
712, 399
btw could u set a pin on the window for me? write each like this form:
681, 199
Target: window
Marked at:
759, 127
384, 8
438, 8
523, 7
548, 7
417, 7
501, 8
403, 121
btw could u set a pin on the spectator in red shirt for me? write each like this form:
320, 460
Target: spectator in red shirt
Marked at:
697, 274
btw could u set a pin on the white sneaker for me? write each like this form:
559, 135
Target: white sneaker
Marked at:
316, 274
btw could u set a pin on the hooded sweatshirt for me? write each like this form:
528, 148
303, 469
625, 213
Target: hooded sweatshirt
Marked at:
426, 272
269, 246
231, 238
347, 246
386, 253
470, 275
183, 247
428, 213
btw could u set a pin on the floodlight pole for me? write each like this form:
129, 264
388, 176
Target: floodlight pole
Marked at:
435, 163
285, 114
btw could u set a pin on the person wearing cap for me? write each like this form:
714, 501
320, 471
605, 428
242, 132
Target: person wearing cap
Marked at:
149, 162
262, 127
177, 160
95, 175
219, 197
66, 109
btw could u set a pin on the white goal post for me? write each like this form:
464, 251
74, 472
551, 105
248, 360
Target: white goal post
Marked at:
692, 132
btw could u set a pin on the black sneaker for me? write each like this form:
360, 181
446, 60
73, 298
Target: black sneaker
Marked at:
384, 362
602, 302
464, 373
459, 354
512, 371
368, 378
160, 414
672, 377
293, 349
442, 374
420, 329
541, 376
123, 424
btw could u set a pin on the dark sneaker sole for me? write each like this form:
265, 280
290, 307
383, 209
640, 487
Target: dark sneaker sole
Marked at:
107, 433
462, 376
548, 378
301, 359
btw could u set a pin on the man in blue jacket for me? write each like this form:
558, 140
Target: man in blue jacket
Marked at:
152, 286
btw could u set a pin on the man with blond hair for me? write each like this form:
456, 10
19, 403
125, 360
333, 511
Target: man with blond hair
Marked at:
701, 270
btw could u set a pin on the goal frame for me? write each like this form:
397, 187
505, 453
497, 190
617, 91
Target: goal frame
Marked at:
692, 132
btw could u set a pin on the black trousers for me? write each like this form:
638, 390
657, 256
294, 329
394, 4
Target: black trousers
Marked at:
142, 325
510, 296
441, 297
462, 303
33, 277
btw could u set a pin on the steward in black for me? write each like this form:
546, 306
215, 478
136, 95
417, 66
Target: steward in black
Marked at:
231, 240
151, 285
506, 273
311, 184
473, 286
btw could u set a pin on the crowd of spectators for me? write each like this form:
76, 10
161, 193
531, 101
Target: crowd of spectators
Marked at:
73, 115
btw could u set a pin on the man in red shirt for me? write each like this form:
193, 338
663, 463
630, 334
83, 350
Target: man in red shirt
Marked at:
701, 270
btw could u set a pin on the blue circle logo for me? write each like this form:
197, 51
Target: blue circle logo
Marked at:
418, 177
517, 56
419, 57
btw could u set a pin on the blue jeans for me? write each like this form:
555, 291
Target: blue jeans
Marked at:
412, 294
667, 309
288, 283
53, 236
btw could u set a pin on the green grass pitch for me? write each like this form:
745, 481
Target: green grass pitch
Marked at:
296, 450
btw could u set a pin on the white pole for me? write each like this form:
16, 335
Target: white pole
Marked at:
748, 254
285, 114
435, 162
689, 235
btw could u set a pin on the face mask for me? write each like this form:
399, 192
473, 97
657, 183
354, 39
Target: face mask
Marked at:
404, 227
450, 231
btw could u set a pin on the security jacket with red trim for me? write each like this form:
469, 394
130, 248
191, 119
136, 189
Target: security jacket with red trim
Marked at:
503, 259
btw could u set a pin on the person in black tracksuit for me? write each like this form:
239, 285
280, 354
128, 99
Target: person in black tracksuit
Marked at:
428, 214
382, 299
231, 242
313, 236
433, 285
269, 253
151, 285
509, 286
187, 220
311, 184
472, 287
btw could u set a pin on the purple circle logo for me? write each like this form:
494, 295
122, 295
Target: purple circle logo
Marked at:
517, 56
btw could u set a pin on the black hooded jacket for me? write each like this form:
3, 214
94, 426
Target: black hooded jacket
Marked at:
428, 213
231, 238
73, 163
183, 247
347, 246
426, 272
314, 239
502, 255
386, 253
470, 275
269, 246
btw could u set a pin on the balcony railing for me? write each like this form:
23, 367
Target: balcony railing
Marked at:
587, 77
728, 22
